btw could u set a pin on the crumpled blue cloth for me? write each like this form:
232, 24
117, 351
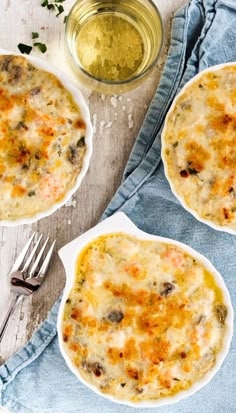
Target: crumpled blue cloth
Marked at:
37, 379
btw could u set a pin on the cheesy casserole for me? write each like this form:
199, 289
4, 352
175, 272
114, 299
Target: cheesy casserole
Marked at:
199, 146
144, 319
42, 139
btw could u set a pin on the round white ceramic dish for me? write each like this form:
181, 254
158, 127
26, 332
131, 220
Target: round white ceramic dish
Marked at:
120, 223
79, 100
179, 197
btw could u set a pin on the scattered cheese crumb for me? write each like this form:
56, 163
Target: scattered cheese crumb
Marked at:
71, 202
102, 123
109, 124
130, 121
114, 101
94, 122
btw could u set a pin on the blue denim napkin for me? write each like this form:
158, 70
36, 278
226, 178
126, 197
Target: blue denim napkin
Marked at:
37, 379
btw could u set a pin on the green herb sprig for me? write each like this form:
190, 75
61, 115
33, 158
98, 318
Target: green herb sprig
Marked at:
35, 35
54, 5
41, 46
26, 49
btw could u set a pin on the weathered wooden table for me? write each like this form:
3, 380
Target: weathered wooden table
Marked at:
116, 122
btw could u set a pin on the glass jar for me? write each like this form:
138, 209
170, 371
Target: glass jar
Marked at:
113, 45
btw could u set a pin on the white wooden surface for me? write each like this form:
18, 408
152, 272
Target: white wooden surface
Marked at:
116, 122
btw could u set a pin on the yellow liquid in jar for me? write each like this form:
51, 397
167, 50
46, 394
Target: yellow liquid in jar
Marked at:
110, 48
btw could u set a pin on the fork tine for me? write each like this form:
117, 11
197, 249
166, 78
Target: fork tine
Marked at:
36, 263
22, 254
32, 254
45, 265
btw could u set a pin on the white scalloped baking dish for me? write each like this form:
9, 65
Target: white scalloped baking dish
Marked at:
198, 147
80, 102
119, 223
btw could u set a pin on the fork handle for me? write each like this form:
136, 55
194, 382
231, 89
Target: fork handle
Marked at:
14, 302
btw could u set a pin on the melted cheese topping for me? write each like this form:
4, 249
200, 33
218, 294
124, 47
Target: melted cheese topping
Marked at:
200, 146
144, 320
42, 139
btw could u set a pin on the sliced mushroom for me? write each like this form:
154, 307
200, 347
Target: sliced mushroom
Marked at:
81, 142
35, 91
73, 155
22, 125
98, 369
95, 368
201, 319
221, 313
16, 74
5, 63
115, 316
168, 288
139, 390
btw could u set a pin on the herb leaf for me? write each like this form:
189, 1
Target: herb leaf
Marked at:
192, 171
42, 46
35, 35
60, 9
24, 48
53, 5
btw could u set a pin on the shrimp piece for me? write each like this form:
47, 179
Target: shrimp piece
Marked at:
135, 271
175, 257
51, 188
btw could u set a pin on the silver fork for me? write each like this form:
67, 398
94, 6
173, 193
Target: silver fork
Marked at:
26, 278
